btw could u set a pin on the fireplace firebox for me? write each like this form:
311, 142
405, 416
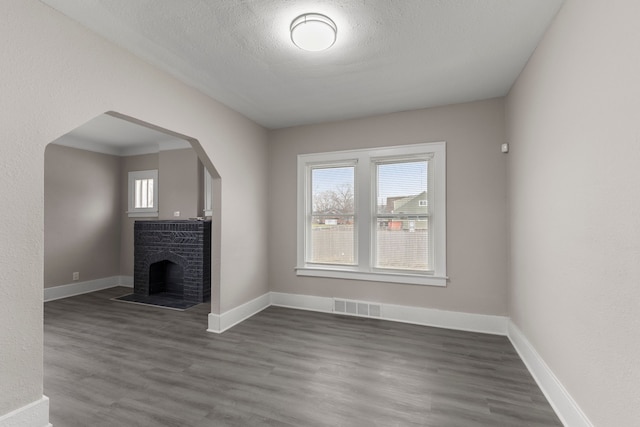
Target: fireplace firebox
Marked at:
166, 277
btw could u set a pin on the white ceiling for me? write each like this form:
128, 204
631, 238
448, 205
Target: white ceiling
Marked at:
111, 135
390, 55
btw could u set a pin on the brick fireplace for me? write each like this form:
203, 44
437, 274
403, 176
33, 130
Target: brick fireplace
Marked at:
172, 261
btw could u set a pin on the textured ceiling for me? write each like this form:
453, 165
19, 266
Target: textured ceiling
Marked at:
390, 55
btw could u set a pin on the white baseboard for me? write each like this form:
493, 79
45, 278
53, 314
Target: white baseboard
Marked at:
126, 281
471, 322
561, 401
302, 302
79, 288
219, 323
497, 325
214, 324
35, 414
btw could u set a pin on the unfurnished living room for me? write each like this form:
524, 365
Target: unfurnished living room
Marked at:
320, 213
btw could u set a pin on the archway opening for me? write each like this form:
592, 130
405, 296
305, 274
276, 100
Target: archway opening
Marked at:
89, 221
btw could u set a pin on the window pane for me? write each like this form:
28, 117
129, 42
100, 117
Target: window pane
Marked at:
403, 243
149, 193
402, 230
144, 193
332, 240
138, 193
332, 190
402, 187
332, 219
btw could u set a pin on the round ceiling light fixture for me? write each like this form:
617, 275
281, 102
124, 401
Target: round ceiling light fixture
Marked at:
313, 32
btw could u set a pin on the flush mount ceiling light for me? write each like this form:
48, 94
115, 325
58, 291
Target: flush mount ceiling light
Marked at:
313, 32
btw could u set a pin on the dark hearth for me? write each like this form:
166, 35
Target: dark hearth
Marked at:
172, 262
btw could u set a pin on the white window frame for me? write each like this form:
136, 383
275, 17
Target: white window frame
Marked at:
142, 212
208, 195
365, 205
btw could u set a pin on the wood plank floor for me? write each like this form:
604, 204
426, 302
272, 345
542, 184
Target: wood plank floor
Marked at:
110, 363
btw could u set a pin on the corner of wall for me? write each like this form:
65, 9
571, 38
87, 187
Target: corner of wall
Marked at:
559, 398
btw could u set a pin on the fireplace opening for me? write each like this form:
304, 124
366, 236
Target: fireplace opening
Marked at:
166, 278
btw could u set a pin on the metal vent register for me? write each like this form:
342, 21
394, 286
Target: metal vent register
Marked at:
356, 308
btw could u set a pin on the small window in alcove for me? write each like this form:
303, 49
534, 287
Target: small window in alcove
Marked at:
143, 193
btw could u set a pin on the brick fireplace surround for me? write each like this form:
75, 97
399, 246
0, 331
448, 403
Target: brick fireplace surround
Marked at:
185, 244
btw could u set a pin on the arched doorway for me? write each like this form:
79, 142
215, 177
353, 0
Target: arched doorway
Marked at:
88, 242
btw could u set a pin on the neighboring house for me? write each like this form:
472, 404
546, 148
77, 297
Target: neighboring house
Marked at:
411, 205
415, 207
336, 217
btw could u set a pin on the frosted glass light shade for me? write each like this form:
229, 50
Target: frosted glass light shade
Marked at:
313, 32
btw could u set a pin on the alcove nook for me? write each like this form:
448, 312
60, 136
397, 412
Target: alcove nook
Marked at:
91, 219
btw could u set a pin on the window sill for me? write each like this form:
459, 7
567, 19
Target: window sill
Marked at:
142, 214
406, 278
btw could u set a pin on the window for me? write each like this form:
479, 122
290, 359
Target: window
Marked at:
208, 194
374, 214
332, 220
402, 224
143, 193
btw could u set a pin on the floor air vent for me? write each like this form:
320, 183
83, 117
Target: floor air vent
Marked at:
356, 308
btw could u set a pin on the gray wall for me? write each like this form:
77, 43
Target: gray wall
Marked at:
128, 164
574, 128
43, 98
476, 204
179, 184
81, 215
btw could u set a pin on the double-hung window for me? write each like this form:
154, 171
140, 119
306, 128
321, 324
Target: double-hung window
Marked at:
377, 214
143, 193
332, 219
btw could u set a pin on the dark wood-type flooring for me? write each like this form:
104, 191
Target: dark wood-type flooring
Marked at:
110, 363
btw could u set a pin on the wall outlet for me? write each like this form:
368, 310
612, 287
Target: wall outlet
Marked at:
76, 275
176, 213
